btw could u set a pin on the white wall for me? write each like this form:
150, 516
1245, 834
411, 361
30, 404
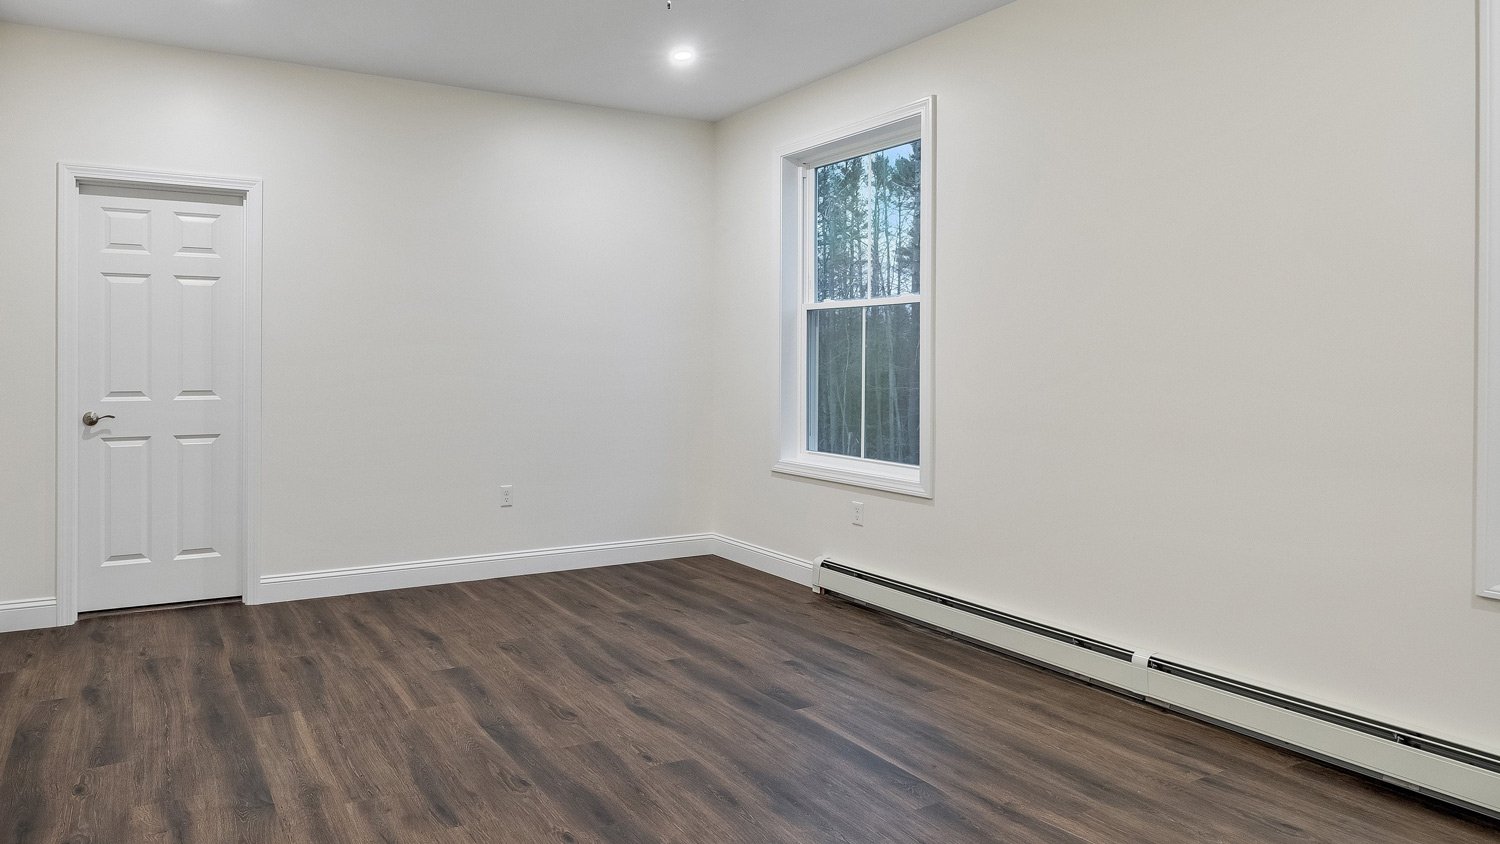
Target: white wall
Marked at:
1204, 340
461, 290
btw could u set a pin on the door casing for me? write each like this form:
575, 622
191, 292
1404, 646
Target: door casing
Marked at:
69, 179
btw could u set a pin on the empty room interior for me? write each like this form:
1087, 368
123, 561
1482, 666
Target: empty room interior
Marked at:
749, 421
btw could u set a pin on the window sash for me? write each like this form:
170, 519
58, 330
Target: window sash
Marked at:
886, 421
826, 304
808, 303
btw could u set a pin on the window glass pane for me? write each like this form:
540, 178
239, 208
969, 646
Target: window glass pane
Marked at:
866, 220
891, 380
834, 343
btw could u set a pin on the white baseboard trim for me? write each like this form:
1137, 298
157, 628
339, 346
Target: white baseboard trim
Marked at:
28, 615
771, 562
326, 583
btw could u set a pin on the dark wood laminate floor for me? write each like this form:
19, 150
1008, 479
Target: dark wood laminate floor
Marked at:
685, 701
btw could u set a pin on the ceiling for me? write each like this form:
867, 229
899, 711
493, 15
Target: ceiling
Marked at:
601, 52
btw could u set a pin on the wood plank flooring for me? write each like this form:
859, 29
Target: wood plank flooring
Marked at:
681, 701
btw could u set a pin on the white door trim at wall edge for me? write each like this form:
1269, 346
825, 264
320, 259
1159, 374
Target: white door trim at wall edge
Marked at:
70, 179
1487, 307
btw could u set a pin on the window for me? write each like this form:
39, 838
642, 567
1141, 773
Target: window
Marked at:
857, 305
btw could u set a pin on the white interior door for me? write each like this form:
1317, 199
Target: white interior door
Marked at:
161, 281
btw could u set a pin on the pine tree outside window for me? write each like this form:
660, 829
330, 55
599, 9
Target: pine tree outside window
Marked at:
856, 383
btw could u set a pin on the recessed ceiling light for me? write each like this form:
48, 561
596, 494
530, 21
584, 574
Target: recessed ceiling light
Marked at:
682, 55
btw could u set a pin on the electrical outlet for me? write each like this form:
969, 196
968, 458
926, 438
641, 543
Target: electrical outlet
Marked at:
507, 496
858, 508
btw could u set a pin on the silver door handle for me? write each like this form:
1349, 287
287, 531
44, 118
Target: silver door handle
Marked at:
91, 418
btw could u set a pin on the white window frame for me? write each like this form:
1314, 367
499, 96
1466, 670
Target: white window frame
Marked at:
797, 163
1487, 445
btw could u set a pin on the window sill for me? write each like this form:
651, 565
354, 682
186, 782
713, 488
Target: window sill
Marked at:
882, 481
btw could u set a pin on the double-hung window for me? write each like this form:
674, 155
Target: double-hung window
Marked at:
857, 305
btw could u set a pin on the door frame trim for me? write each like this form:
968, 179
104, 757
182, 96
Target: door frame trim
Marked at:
70, 178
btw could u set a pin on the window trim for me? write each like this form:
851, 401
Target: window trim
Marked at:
796, 162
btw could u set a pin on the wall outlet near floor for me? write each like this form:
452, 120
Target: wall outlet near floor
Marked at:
858, 511
507, 496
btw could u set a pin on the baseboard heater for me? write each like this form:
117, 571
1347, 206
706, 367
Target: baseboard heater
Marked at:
1446, 770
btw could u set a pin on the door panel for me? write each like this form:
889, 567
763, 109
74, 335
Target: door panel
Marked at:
195, 505
127, 356
161, 311
125, 491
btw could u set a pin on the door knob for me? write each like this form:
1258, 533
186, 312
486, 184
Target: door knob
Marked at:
91, 418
